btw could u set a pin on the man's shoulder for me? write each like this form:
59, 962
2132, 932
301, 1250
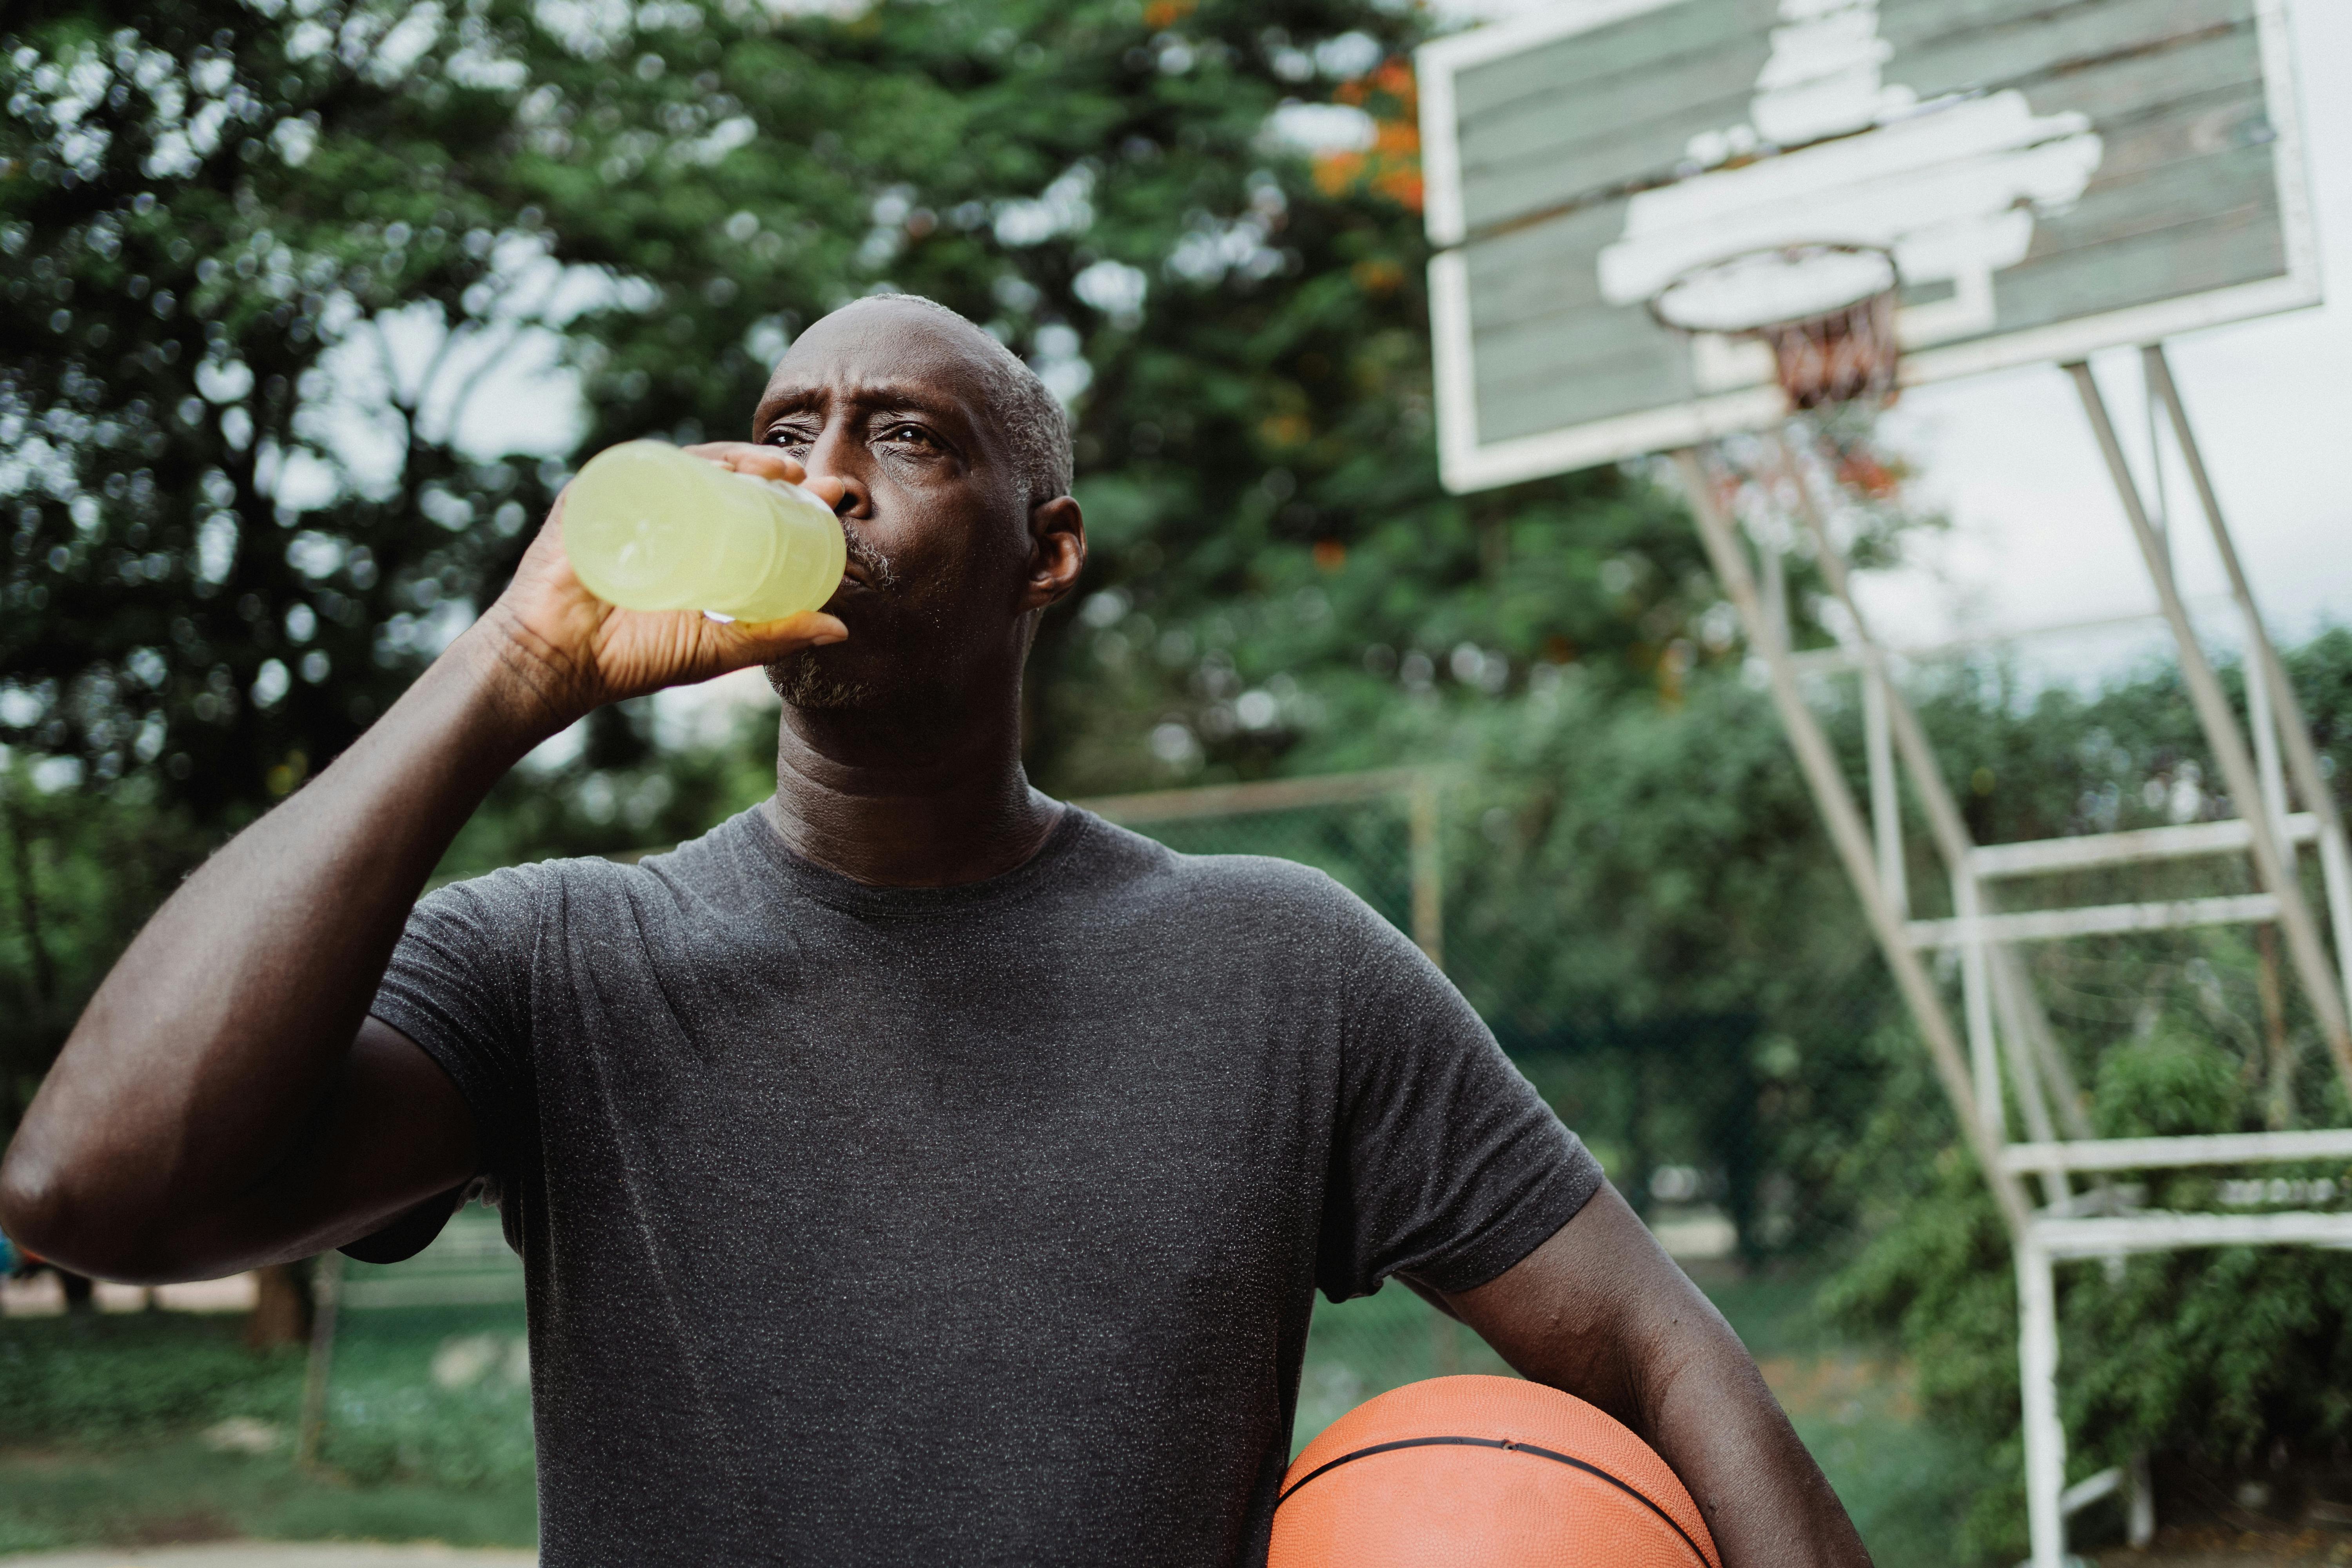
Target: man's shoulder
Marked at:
1285, 889
534, 883
518, 892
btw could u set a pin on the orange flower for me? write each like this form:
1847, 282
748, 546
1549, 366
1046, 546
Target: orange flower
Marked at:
1861, 472
1392, 166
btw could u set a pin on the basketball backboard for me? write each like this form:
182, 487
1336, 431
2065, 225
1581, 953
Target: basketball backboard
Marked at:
2047, 177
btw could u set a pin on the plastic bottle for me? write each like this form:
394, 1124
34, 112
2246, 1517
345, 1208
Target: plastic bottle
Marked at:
651, 528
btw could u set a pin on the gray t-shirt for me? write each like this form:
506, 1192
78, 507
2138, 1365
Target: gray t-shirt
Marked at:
972, 1225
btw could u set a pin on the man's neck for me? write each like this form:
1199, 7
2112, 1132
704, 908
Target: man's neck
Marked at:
905, 800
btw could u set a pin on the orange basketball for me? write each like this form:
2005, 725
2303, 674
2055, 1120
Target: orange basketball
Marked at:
1487, 1471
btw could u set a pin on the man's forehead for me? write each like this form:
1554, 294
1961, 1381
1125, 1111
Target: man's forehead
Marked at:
884, 352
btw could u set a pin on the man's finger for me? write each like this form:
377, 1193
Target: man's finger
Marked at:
757, 642
761, 462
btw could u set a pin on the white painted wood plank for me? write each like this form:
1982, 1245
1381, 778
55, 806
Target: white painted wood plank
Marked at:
2105, 1236
2097, 920
2152, 1153
2045, 854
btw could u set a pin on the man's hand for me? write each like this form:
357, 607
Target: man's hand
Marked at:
572, 652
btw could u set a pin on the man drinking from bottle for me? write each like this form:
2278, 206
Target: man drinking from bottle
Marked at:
914, 1169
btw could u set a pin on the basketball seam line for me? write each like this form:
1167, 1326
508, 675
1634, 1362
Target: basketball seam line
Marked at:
1626, 1487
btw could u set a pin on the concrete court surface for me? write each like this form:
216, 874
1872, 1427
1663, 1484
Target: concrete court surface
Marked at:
276, 1555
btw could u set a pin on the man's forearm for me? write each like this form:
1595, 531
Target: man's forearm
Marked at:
1601, 1312
224, 1026
1765, 1500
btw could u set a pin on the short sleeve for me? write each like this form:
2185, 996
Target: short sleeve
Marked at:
1446, 1167
459, 985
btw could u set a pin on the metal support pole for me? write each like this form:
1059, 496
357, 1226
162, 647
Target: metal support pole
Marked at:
1950, 830
2056, 1187
1428, 879
1945, 823
2263, 663
326, 1300
1847, 832
1975, 1005
2042, 1042
1885, 806
2046, 1435
2263, 723
2320, 982
2160, 512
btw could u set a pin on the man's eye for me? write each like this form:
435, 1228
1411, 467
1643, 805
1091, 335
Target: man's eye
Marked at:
910, 432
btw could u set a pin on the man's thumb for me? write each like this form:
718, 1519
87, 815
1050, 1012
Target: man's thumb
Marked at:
757, 642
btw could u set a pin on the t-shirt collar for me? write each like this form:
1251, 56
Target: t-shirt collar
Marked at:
847, 893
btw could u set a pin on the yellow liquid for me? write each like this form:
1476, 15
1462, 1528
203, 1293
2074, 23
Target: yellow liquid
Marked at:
651, 528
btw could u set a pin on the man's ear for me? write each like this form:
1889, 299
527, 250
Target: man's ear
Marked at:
1058, 550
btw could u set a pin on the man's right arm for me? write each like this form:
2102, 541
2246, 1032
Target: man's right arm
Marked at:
226, 1101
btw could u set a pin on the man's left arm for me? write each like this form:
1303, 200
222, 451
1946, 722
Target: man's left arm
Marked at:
1601, 1312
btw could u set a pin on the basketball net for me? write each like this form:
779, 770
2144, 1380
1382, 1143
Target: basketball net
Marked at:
1840, 357
1826, 311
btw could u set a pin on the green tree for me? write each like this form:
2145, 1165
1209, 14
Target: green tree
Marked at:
247, 280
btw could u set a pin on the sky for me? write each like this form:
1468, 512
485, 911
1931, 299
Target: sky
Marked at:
2037, 536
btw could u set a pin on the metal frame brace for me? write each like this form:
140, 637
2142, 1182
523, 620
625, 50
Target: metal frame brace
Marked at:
2004, 1045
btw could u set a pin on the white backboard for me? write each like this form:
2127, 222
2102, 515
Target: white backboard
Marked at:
2050, 178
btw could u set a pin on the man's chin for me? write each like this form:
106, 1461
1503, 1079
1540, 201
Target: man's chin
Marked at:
803, 681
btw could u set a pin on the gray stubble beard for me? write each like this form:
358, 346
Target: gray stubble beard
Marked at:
801, 682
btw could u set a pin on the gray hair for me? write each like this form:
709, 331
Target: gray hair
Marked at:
1029, 415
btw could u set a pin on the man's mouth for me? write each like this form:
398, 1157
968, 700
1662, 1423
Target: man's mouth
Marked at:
867, 568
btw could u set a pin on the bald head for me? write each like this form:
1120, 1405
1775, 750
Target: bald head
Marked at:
1027, 417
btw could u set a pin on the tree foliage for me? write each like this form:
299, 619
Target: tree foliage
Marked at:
274, 268
238, 505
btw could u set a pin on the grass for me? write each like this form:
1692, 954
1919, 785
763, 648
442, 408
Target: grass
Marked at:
103, 1422
104, 1425
154, 1491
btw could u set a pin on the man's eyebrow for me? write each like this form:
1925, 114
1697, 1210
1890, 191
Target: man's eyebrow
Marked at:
887, 395
771, 403
910, 396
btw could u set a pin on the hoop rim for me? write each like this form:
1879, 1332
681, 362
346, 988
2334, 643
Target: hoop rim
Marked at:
1656, 303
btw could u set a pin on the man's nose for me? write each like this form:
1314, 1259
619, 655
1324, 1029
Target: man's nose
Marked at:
838, 456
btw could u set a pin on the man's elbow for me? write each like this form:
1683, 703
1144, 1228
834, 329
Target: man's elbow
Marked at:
47, 1206
34, 1204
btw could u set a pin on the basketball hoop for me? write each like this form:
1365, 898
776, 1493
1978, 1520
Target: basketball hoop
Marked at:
1826, 311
